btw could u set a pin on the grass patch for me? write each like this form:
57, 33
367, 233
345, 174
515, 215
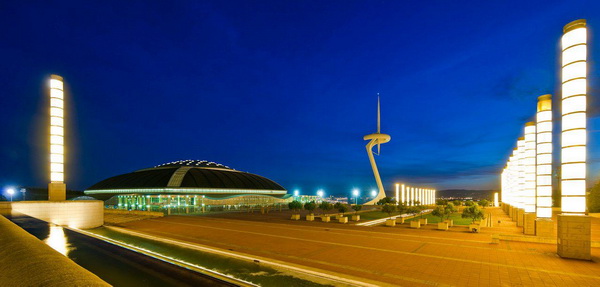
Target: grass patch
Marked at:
458, 220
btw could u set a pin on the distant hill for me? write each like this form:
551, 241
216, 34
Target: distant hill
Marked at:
466, 193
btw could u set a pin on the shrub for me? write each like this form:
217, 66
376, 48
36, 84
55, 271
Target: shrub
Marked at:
295, 206
388, 208
473, 212
386, 200
357, 208
342, 208
310, 206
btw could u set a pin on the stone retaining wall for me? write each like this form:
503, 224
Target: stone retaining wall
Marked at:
27, 261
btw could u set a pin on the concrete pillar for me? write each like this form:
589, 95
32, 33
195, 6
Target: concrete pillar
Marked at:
529, 223
574, 236
544, 227
520, 217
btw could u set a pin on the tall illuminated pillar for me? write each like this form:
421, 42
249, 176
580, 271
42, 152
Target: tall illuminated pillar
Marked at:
397, 193
496, 204
56, 187
574, 227
403, 194
544, 226
520, 203
530, 183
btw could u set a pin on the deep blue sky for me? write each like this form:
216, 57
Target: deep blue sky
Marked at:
284, 89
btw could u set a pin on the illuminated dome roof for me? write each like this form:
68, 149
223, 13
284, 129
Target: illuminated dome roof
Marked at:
187, 177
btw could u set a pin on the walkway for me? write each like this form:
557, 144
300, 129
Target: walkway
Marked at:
390, 255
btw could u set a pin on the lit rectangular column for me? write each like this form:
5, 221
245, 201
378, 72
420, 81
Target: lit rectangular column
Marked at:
574, 135
544, 157
56, 187
530, 174
397, 193
403, 194
573, 226
520, 204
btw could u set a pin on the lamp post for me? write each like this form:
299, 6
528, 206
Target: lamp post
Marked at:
574, 242
23, 190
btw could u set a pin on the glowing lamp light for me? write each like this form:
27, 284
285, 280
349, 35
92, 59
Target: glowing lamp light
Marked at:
57, 132
574, 117
320, 193
296, 192
373, 193
355, 192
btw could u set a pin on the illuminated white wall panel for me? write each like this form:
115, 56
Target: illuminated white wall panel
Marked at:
544, 157
57, 132
574, 117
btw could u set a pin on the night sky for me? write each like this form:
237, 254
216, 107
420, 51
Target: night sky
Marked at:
284, 89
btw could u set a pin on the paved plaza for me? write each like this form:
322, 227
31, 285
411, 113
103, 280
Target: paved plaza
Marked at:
386, 255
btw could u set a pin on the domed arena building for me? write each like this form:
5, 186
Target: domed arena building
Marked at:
189, 186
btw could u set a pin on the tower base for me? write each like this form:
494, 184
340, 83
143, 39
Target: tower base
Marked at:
544, 227
57, 191
520, 215
574, 236
529, 223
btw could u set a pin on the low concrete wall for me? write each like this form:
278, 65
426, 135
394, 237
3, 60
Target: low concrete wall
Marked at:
27, 261
77, 214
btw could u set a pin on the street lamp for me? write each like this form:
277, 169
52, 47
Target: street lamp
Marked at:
356, 193
320, 193
296, 192
373, 193
23, 192
11, 192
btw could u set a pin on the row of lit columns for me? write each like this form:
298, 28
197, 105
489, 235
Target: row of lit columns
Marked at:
409, 195
527, 176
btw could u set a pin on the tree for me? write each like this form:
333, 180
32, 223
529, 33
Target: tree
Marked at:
457, 202
337, 205
401, 208
441, 202
295, 206
342, 208
357, 208
385, 200
473, 212
412, 210
593, 198
440, 212
450, 209
469, 203
483, 203
325, 206
310, 206
389, 208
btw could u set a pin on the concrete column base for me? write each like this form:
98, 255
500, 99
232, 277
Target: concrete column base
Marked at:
574, 236
529, 223
544, 227
57, 191
520, 216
